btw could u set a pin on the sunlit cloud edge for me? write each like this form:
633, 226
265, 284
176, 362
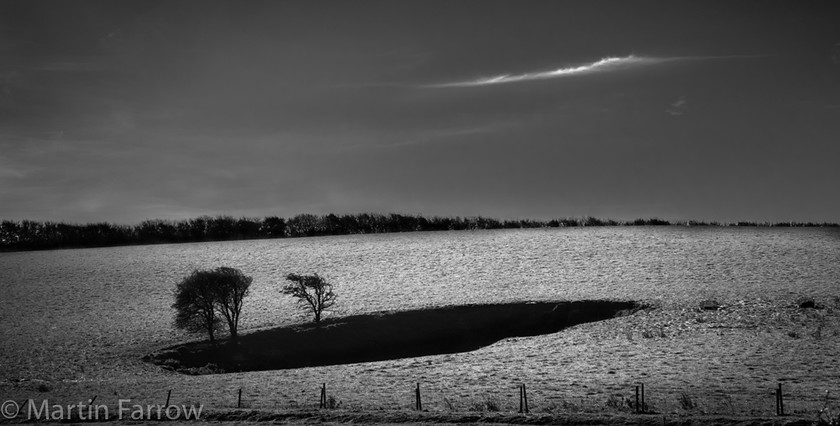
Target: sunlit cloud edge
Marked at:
610, 63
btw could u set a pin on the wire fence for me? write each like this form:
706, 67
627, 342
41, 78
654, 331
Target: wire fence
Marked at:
512, 398
521, 398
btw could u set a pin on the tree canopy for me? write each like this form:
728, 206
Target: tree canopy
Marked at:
313, 292
205, 298
195, 305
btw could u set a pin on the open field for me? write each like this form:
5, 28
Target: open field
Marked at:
76, 323
402, 417
724, 363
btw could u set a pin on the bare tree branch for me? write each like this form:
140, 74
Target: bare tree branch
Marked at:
313, 292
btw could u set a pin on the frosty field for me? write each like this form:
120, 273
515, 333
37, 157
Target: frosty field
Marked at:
75, 323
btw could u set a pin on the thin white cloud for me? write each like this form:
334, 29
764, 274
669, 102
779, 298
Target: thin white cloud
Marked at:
678, 106
608, 64
602, 65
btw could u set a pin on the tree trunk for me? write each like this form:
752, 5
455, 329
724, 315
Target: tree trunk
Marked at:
211, 334
234, 325
233, 332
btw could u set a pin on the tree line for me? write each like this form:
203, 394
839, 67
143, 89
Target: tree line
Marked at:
34, 235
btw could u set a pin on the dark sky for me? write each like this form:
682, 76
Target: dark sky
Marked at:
125, 110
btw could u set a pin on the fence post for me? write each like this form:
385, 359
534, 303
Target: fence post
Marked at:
323, 401
419, 404
521, 400
637, 398
239, 400
781, 401
525, 397
643, 407
168, 394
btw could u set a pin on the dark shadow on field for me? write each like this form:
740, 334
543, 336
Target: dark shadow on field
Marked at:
384, 336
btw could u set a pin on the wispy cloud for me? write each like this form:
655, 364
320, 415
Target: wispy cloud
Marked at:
608, 64
602, 65
430, 136
9, 172
442, 135
677, 107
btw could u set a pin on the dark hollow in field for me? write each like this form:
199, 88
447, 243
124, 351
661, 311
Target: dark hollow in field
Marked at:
383, 336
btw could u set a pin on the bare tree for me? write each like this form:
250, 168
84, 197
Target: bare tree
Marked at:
313, 293
204, 298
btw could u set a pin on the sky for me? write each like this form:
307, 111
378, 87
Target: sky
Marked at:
121, 111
